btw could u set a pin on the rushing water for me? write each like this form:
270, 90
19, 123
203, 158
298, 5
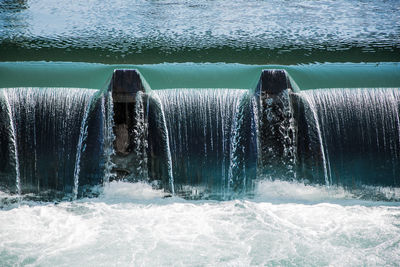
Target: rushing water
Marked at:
356, 132
13, 137
285, 224
210, 138
83, 132
109, 137
277, 223
47, 139
140, 137
61, 139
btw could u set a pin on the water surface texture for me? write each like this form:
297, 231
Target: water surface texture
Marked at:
286, 224
263, 32
54, 137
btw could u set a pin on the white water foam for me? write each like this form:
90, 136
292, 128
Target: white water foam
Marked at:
133, 225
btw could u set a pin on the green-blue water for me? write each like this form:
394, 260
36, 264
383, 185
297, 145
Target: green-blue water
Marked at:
199, 75
207, 44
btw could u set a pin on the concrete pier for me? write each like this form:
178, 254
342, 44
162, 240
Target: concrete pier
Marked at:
125, 85
276, 131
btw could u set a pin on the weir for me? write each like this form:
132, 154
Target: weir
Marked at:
197, 142
354, 132
50, 136
212, 139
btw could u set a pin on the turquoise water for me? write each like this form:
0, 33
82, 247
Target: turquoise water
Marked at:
203, 44
199, 75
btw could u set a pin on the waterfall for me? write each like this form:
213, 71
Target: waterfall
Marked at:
81, 147
13, 136
277, 136
167, 144
311, 104
358, 132
209, 137
140, 138
53, 144
108, 115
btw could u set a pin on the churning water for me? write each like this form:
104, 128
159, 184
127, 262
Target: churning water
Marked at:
210, 139
348, 141
285, 224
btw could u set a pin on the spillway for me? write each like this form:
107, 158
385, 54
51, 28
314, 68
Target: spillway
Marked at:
51, 140
244, 169
212, 138
353, 132
199, 133
196, 142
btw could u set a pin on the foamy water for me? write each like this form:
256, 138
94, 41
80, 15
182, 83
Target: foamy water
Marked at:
285, 224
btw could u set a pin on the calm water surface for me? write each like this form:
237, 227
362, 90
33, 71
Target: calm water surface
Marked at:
142, 31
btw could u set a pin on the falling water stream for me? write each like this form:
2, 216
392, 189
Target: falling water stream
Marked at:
209, 133
81, 147
108, 111
336, 201
141, 136
49, 127
14, 142
326, 166
358, 131
211, 144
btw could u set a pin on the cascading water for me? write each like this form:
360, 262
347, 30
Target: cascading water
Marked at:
131, 223
140, 138
211, 139
314, 118
200, 139
107, 110
81, 147
356, 132
50, 128
161, 125
276, 135
13, 137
